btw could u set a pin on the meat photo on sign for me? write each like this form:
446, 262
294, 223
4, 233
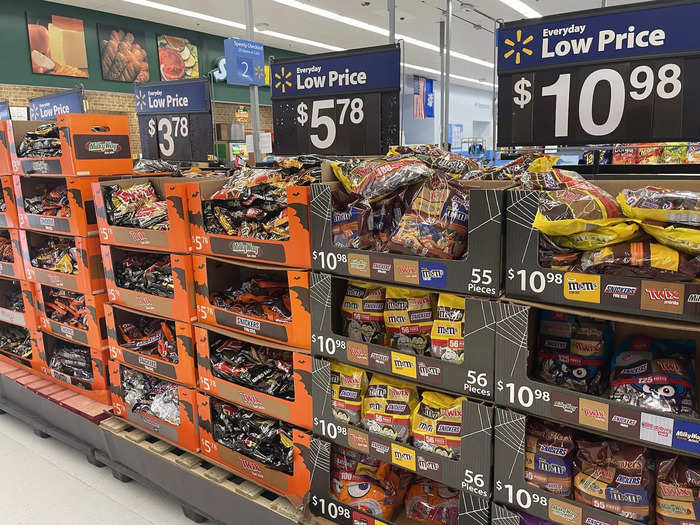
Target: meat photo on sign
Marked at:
123, 54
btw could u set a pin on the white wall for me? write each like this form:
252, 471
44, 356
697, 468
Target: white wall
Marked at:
467, 106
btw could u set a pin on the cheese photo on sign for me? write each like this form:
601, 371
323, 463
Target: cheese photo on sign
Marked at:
57, 45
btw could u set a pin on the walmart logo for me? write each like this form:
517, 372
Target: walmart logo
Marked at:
140, 100
260, 72
518, 46
282, 80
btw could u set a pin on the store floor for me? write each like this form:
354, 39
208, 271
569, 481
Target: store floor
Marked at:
45, 481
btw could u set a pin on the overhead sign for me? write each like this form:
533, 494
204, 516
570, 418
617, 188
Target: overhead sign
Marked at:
344, 103
4, 110
245, 62
49, 106
175, 121
620, 74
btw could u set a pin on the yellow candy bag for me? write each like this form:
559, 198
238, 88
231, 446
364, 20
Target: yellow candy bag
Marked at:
683, 239
348, 386
599, 238
447, 335
436, 424
408, 316
363, 313
387, 407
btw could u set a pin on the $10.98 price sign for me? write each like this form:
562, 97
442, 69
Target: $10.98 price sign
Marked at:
616, 75
337, 103
175, 120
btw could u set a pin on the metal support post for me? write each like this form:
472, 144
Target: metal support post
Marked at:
391, 7
448, 30
254, 100
494, 102
443, 137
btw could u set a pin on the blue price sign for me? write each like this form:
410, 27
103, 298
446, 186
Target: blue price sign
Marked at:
185, 96
4, 111
622, 74
50, 106
245, 62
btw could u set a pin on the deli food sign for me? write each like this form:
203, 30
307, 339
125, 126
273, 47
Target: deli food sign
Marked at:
620, 74
344, 103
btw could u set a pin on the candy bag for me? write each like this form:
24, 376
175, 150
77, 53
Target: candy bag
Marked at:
428, 501
447, 334
625, 154
436, 424
600, 237
674, 153
549, 450
408, 316
351, 221
677, 491
363, 313
387, 407
348, 385
655, 374
650, 153
661, 204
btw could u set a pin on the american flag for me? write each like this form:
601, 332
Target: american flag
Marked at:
418, 97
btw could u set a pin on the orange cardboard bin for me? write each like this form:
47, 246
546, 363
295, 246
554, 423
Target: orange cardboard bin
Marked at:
8, 208
182, 372
294, 486
91, 145
297, 412
26, 318
176, 239
180, 307
89, 279
213, 274
295, 252
13, 268
184, 435
95, 335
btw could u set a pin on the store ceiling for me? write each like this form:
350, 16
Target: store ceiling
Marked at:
419, 19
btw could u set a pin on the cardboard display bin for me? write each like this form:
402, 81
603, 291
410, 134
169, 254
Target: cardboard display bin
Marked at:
95, 335
176, 239
295, 252
180, 307
88, 280
8, 215
294, 486
91, 145
296, 412
184, 435
480, 273
473, 377
518, 388
510, 487
182, 372
13, 269
470, 473
213, 274
32, 361
472, 509
525, 279
26, 318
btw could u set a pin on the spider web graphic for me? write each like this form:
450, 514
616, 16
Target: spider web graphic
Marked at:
475, 507
493, 203
503, 516
321, 379
485, 421
320, 454
513, 327
510, 431
488, 318
522, 211
320, 207
320, 290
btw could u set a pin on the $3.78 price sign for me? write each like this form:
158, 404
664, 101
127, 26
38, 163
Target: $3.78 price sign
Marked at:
617, 102
342, 126
176, 137
169, 129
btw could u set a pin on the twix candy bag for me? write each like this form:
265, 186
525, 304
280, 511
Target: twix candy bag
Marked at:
348, 386
447, 335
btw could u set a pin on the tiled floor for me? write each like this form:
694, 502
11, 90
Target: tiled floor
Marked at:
43, 481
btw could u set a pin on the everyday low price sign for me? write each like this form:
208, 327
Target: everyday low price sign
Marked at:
343, 103
175, 120
614, 75
50, 106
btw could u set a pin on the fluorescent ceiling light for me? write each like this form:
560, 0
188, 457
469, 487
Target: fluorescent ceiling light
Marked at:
299, 40
452, 75
359, 24
186, 12
522, 8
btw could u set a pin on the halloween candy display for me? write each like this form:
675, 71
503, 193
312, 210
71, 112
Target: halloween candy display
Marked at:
150, 336
257, 297
436, 424
150, 395
146, 272
549, 452
6, 253
136, 206
15, 340
429, 501
44, 141
58, 254
49, 200
66, 307
71, 359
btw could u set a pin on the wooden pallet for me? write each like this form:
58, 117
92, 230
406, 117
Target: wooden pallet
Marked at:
202, 467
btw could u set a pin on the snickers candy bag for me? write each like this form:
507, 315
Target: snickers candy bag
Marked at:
387, 407
572, 351
436, 424
615, 477
351, 221
59, 255
363, 313
456, 166
549, 452
677, 491
435, 224
447, 333
348, 387
556, 257
429, 501
408, 316
655, 374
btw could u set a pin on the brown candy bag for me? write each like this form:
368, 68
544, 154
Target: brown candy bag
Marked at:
677, 491
549, 450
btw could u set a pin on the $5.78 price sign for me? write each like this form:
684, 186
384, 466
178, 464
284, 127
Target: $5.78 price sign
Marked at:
619, 102
344, 125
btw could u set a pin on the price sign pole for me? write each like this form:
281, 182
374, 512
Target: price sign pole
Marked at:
621, 74
343, 103
175, 120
